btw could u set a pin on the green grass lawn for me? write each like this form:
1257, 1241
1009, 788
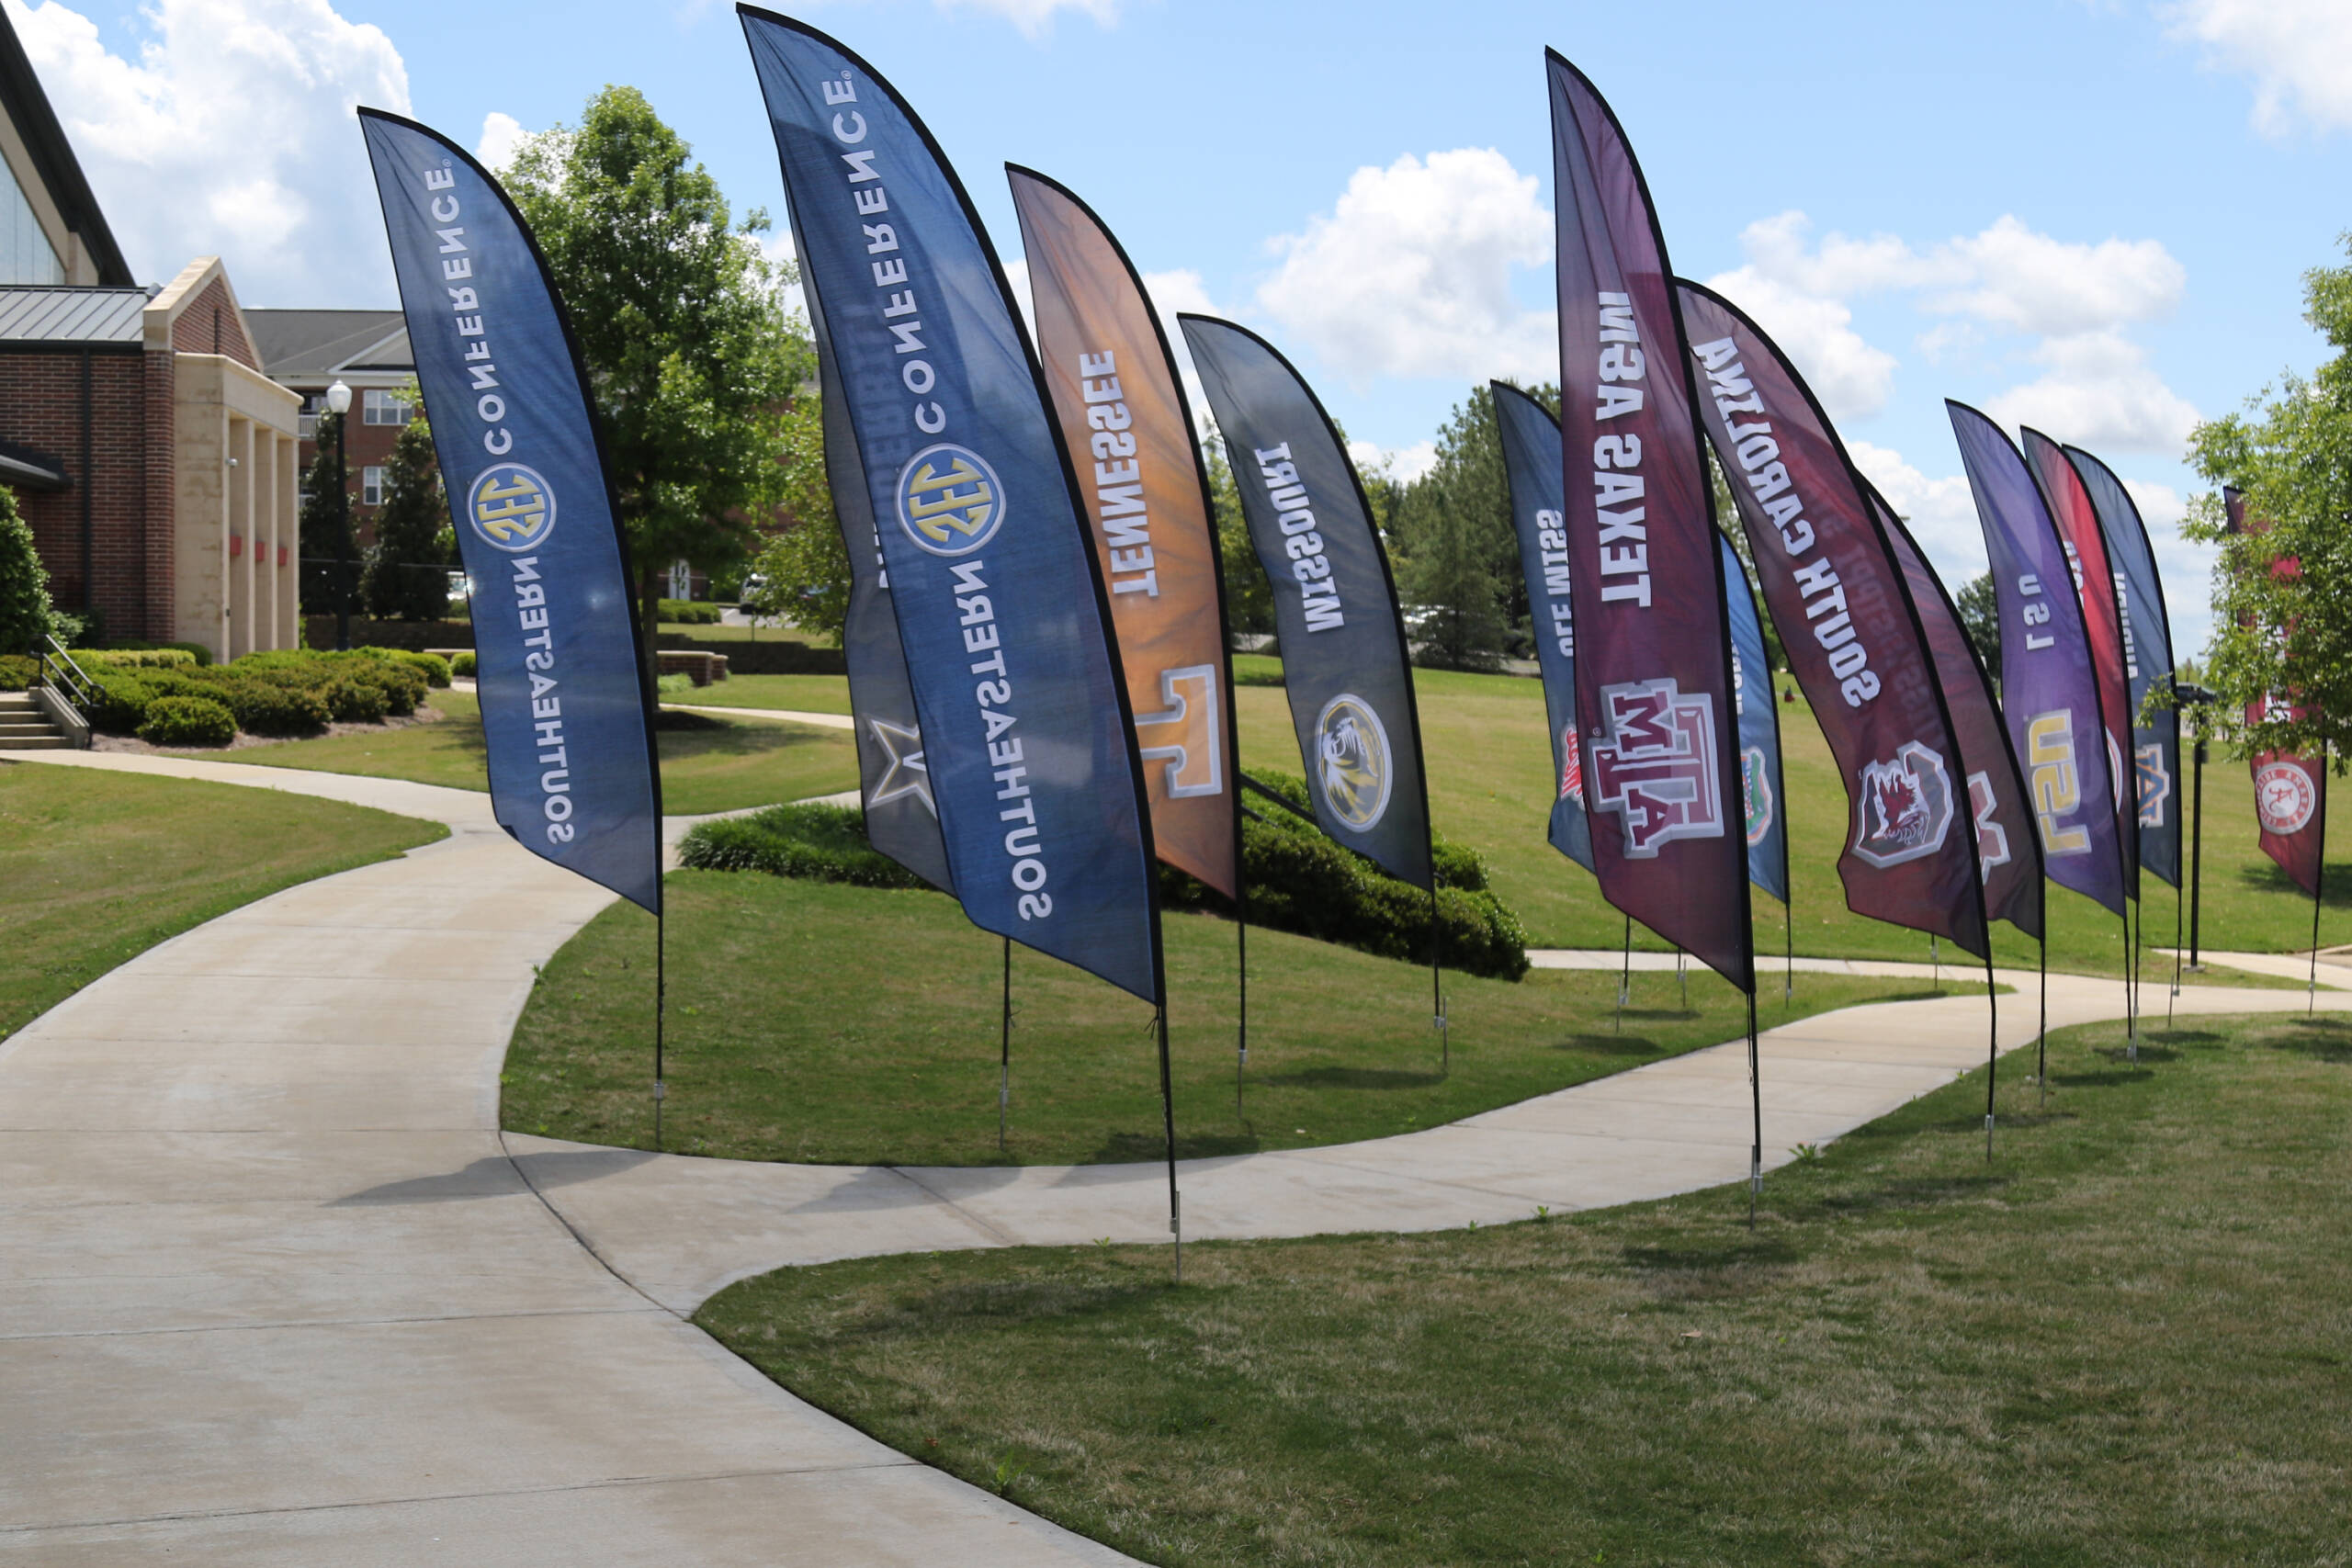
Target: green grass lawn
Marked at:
98, 867
786, 693
815, 1022
2123, 1342
761, 633
1490, 786
715, 765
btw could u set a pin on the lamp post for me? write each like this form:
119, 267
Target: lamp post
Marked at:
339, 405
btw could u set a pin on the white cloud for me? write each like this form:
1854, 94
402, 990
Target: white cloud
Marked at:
2187, 568
1410, 273
2098, 391
1941, 513
502, 138
1404, 464
2298, 52
230, 130
1853, 379
1171, 294
2013, 279
1034, 17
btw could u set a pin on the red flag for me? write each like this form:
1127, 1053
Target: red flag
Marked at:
2289, 792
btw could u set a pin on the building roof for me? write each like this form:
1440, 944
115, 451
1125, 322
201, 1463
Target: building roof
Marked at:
34, 314
303, 346
60, 172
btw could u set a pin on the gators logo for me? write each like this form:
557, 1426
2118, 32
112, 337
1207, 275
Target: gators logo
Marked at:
1755, 795
950, 500
1352, 761
510, 507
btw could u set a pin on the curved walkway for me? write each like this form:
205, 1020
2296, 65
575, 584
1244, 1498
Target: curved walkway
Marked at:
273, 1290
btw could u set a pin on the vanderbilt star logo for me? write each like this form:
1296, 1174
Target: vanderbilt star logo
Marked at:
905, 774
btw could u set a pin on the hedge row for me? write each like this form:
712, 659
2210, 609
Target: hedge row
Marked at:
279, 693
689, 613
1299, 880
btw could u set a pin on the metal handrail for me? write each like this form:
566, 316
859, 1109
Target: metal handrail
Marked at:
56, 667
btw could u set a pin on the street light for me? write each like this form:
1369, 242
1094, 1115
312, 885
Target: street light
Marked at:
339, 405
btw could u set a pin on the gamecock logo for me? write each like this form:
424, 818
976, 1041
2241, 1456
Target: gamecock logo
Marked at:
1656, 765
1904, 806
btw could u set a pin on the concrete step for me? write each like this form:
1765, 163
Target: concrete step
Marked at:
50, 741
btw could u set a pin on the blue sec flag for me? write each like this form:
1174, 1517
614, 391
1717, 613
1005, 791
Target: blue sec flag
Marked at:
2048, 685
1533, 469
1759, 734
564, 696
1028, 745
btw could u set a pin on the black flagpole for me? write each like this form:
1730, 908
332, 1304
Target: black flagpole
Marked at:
1241, 969
1789, 949
1684, 976
1625, 976
1004, 1067
661, 1007
2174, 998
1756, 1106
2042, 1038
1167, 1114
1437, 984
1992, 1044
2131, 1010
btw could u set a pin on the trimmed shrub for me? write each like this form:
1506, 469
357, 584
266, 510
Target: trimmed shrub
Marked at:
354, 701
18, 672
431, 666
462, 665
266, 707
195, 651
187, 721
820, 843
689, 613
138, 658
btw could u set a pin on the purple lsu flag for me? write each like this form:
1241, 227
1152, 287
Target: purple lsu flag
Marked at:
1845, 616
1659, 745
2050, 695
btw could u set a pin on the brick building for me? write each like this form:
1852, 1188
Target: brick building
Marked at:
153, 459
309, 351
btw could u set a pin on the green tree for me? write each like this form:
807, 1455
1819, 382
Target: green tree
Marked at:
2282, 596
692, 353
1979, 617
1776, 653
323, 579
25, 610
1249, 598
1457, 550
405, 577
806, 566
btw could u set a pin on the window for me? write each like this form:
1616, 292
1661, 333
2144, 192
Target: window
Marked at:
371, 487
26, 254
313, 405
384, 408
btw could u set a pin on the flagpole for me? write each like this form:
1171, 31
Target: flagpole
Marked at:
1682, 975
1789, 951
1004, 1060
2174, 998
1992, 1045
661, 1007
1626, 975
2041, 1036
1168, 1114
1755, 1109
1241, 971
2130, 1017
1437, 984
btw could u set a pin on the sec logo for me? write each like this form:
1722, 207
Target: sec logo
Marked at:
2283, 797
510, 507
1352, 761
950, 500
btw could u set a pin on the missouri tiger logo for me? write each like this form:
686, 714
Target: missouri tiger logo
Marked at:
950, 500
510, 507
1351, 762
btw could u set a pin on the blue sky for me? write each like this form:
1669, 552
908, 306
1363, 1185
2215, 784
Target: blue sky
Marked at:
2089, 217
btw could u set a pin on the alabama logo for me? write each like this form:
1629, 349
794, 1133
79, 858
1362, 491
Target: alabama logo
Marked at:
1755, 794
1655, 766
1904, 806
950, 500
2284, 797
2155, 785
1352, 761
510, 507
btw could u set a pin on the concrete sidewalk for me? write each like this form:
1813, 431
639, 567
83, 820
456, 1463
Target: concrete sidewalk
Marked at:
273, 1290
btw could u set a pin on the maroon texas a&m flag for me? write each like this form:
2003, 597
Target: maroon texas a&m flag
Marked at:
1653, 677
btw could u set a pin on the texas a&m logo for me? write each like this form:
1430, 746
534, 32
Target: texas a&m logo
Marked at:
1656, 766
1992, 838
1904, 806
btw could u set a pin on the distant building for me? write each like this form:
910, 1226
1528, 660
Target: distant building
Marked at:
309, 351
153, 458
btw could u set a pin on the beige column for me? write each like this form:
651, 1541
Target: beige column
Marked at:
241, 534
289, 534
